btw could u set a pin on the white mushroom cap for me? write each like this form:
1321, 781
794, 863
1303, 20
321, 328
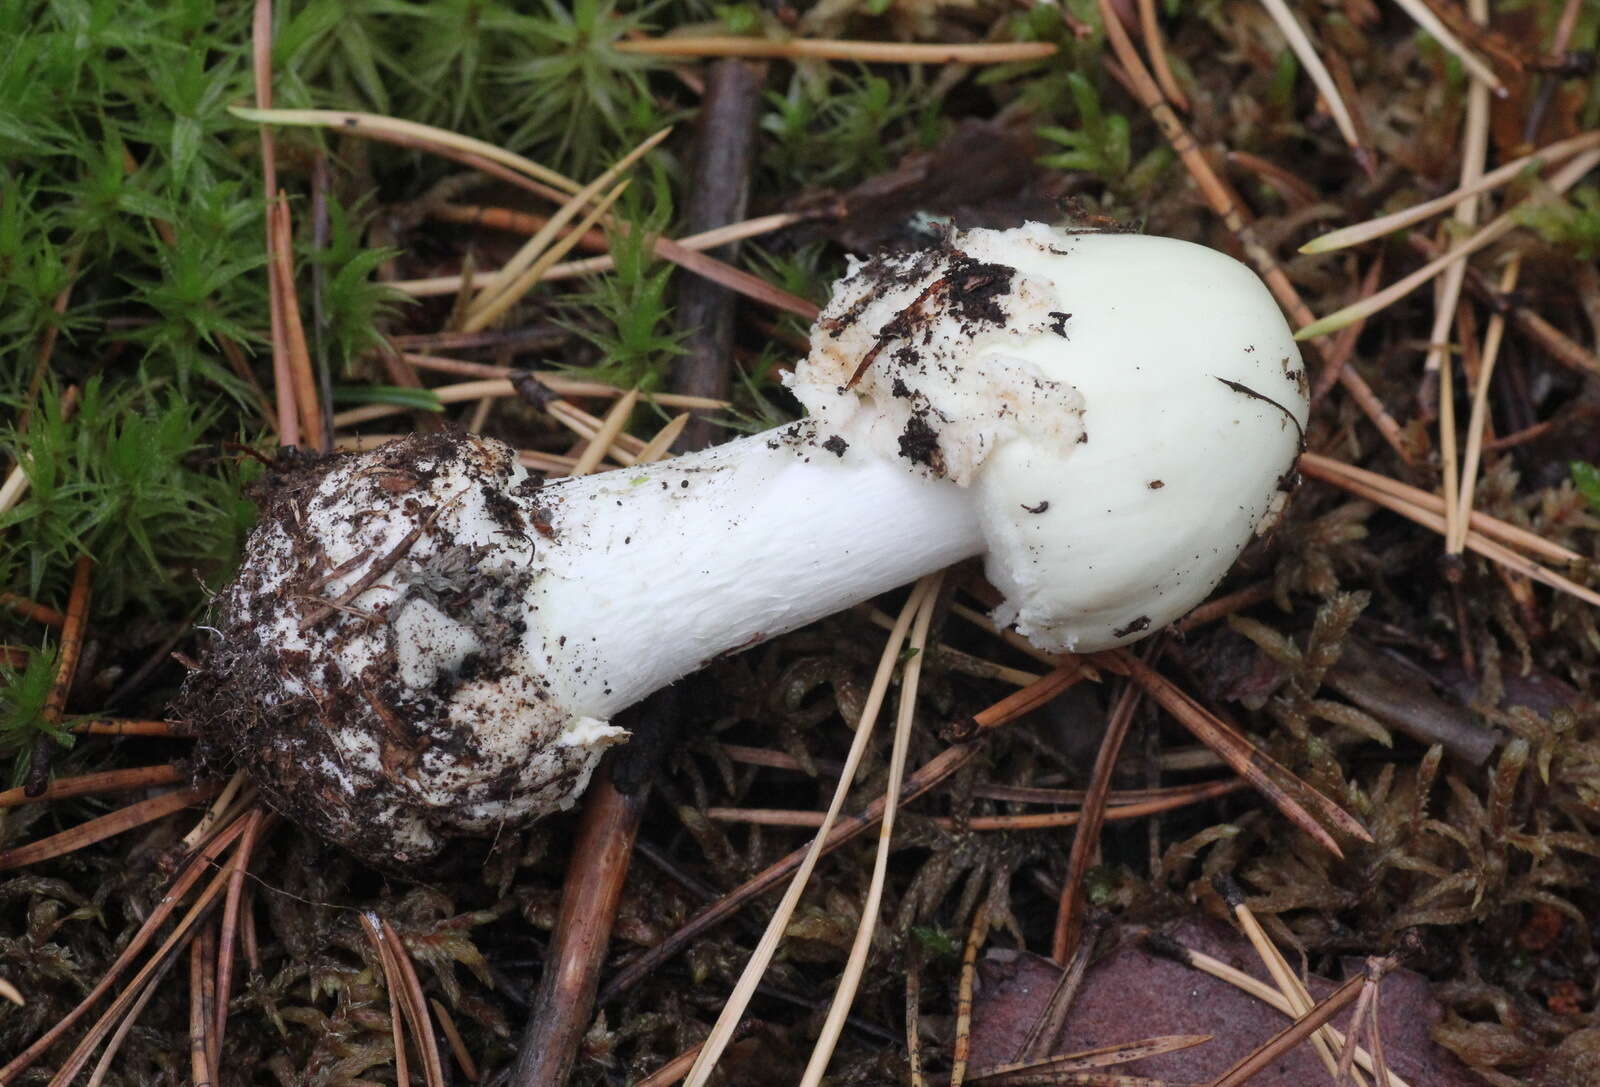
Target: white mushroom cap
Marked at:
1136, 419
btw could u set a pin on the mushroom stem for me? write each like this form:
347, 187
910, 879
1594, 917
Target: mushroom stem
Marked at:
663, 568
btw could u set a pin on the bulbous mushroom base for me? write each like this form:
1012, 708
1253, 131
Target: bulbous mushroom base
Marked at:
370, 667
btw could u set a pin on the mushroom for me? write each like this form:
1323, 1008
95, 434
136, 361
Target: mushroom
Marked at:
427, 640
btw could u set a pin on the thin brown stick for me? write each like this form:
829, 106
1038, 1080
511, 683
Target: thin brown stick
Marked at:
1062, 1064
914, 1020
1053, 1017
1085, 841
719, 192
106, 826
865, 52
107, 781
202, 1017
565, 1001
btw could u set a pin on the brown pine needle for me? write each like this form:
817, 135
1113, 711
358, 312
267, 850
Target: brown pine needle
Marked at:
175, 941
191, 874
1376, 228
864, 52
735, 279
106, 826
1300, 42
1156, 45
458, 1047
1295, 190
1278, 969
1199, 960
563, 384
1334, 471
103, 1066
1277, 783
255, 821
1179, 796
1479, 420
113, 727
1476, 541
416, 1008
961, 1049
29, 610
301, 377
1086, 840
1563, 180
1008, 709
386, 960
55, 703
1099, 1057
108, 781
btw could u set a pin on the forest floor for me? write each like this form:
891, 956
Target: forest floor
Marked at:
1404, 671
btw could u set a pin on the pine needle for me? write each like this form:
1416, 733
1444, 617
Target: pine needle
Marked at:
856, 964
863, 52
1499, 228
723, 1030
